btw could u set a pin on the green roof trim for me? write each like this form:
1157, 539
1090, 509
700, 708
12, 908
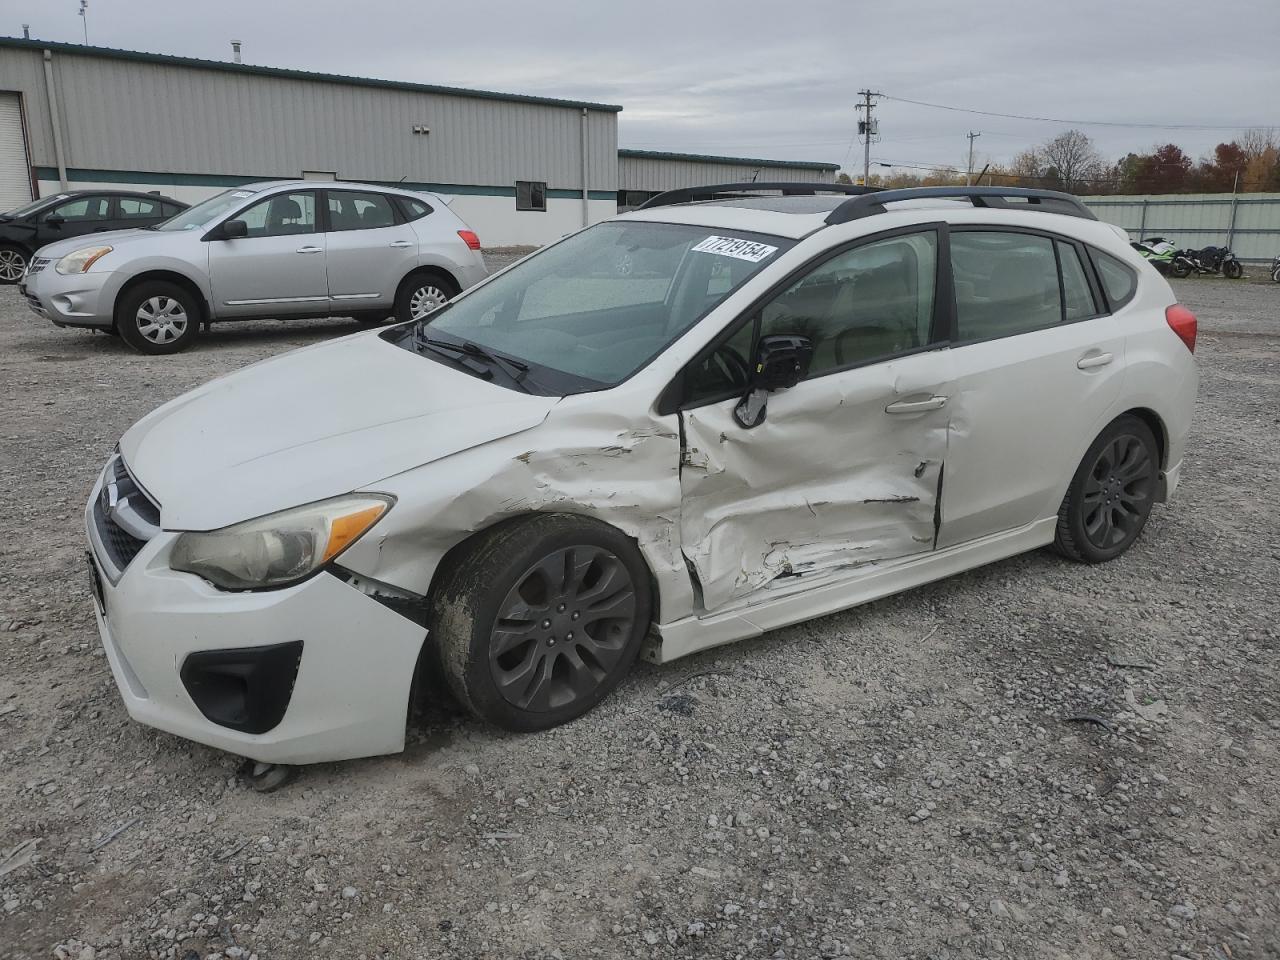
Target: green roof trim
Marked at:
737, 161
79, 49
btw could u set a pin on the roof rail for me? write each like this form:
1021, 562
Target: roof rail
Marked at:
738, 191
1044, 201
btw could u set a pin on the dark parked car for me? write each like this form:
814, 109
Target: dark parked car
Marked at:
25, 230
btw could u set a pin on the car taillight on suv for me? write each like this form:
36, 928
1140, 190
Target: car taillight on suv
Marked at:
470, 239
1182, 322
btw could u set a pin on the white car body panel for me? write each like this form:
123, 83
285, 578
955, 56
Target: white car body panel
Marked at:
829, 503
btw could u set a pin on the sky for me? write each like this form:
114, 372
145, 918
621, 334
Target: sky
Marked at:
774, 80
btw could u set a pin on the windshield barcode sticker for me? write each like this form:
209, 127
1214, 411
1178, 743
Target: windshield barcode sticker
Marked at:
747, 250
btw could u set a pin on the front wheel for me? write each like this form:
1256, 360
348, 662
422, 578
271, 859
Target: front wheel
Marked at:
540, 619
421, 293
13, 263
158, 317
1232, 270
1111, 494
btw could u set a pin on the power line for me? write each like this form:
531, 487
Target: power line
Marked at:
1077, 123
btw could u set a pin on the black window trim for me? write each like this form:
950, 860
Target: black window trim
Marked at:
1090, 250
1099, 303
322, 209
672, 399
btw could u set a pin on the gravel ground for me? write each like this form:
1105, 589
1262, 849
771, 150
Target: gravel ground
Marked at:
900, 780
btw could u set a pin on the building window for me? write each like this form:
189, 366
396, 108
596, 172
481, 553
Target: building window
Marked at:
531, 195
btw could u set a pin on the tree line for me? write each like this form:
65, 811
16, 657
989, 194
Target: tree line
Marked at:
1070, 162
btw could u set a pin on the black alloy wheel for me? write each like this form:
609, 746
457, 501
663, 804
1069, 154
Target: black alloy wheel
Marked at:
1111, 494
535, 621
562, 628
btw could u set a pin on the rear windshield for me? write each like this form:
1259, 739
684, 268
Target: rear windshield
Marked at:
593, 309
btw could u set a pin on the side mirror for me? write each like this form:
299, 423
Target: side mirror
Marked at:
55, 220
235, 230
781, 362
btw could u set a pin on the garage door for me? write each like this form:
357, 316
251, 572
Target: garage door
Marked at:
15, 176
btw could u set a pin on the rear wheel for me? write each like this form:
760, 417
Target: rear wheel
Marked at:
1180, 268
158, 317
423, 292
540, 619
1275, 274
1232, 270
13, 263
1111, 494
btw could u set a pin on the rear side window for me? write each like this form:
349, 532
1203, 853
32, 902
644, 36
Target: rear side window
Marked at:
1118, 280
1006, 284
1077, 298
349, 210
413, 209
135, 208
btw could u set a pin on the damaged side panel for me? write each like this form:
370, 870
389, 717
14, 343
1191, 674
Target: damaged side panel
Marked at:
581, 460
828, 482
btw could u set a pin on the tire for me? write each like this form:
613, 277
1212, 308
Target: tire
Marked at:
158, 317
1232, 270
540, 619
1275, 274
13, 263
422, 292
1180, 269
1111, 494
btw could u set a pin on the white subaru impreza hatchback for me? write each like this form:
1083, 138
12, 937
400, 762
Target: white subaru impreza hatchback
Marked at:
737, 408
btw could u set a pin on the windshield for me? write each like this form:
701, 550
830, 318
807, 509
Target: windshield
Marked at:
193, 218
590, 311
34, 205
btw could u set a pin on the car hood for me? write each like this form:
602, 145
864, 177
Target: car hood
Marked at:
311, 424
112, 238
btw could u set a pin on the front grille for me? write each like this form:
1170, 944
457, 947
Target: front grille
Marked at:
37, 264
124, 517
120, 545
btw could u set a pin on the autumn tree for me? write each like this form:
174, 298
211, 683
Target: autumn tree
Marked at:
1070, 160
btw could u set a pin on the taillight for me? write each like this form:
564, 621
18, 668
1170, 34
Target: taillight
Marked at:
472, 241
1182, 322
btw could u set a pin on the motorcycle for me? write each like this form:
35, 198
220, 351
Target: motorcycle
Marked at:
1158, 252
1216, 260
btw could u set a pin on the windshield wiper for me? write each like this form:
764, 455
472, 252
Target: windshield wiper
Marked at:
474, 350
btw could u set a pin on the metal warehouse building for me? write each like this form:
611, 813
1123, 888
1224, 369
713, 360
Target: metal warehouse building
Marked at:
519, 169
646, 173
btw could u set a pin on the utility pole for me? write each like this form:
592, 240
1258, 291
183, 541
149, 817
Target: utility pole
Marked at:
868, 128
84, 16
968, 179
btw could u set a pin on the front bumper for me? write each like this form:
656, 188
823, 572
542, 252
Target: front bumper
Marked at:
351, 693
75, 300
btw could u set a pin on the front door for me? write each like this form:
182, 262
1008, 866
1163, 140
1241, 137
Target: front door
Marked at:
367, 252
1038, 365
845, 469
279, 268
74, 218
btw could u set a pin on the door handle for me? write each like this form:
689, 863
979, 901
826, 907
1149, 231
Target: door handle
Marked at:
1090, 361
400, 244
311, 249
916, 406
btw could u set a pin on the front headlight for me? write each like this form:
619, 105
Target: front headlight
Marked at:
78, 261
280, 548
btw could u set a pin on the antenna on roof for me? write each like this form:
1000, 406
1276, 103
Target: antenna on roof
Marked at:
26, 31
235, 51
84, 15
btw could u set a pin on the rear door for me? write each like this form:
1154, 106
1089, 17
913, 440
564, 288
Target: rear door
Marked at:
278, 269
1038, 366
844, 471
369, 249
